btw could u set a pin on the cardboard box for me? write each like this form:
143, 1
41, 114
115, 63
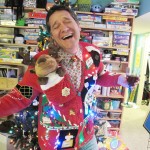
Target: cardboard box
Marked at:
7, 83
9, 76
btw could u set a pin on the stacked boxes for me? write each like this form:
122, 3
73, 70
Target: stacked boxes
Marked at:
89, 20
31, 35
118, 25
6, 35
121, 39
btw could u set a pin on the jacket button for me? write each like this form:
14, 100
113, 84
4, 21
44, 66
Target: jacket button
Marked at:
81, 110
61, 105
79, 93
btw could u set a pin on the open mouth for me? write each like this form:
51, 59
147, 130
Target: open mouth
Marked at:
67, 36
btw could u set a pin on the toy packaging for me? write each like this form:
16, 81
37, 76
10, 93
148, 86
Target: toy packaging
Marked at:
127, 1
121, 39
119, 25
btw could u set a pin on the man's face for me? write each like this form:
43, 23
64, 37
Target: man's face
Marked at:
65, 31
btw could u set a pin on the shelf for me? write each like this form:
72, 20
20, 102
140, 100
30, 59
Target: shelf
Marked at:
114, 61
105, 14
110, 96
79, 12
18, 45
104, 29
12, 64
20, 27
113, 47
25, 8
101, 110
107, 118
109, 128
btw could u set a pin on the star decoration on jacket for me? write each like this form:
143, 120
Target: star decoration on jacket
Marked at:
46, 120
65, 91
72, 112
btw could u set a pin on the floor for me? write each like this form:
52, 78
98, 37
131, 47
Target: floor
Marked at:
132, 131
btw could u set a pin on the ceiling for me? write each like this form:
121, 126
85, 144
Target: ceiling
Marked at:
142, 24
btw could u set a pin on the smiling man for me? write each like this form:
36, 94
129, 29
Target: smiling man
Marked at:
65, 102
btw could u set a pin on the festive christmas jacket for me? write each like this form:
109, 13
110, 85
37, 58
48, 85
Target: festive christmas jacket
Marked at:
65, 119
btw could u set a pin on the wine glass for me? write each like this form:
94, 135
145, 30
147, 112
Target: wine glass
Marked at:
132, 79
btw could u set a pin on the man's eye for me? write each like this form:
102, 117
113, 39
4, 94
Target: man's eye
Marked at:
67, 21
56, 26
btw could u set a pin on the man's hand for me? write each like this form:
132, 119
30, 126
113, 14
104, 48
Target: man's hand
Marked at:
128, 81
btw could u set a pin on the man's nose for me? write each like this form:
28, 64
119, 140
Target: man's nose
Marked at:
64, 27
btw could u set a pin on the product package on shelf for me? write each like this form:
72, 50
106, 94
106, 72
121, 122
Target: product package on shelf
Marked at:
118, 25
31, 35
9, 53
102, 39
29, 3
6, 35
127, 1
7, 17
121, 39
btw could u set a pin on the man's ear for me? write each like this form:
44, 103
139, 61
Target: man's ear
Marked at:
79, 27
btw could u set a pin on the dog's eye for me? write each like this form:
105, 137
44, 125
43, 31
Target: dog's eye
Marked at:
41, 60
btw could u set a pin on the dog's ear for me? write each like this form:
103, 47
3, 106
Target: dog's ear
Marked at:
32, 71
26, 58
42, 80
60, 71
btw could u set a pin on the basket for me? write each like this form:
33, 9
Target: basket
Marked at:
84, 5
103, 114
104, 104
115, 115
114, 123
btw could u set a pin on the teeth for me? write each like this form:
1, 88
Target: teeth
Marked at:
67, 36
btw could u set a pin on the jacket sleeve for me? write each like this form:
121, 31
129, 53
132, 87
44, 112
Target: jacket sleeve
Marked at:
21, 96
107, 79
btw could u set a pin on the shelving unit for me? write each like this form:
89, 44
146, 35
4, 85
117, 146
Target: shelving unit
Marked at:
12, 63
118, 66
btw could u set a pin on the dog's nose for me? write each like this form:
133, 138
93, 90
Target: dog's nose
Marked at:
41, 60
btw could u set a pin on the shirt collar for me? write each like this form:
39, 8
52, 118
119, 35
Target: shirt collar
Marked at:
67, 57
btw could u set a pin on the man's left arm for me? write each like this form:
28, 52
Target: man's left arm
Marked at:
106, 78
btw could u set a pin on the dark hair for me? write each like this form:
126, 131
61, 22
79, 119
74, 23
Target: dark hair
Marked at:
58, 8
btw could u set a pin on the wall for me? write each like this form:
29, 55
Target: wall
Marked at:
144, 7
140, 58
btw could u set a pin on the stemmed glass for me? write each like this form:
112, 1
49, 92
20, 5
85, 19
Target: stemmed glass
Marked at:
132, 79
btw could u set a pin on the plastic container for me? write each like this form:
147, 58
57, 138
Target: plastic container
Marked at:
103, 114
114, 123
115, 115
115, 104
19, 40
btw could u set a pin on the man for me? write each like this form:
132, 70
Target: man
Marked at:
65, 102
